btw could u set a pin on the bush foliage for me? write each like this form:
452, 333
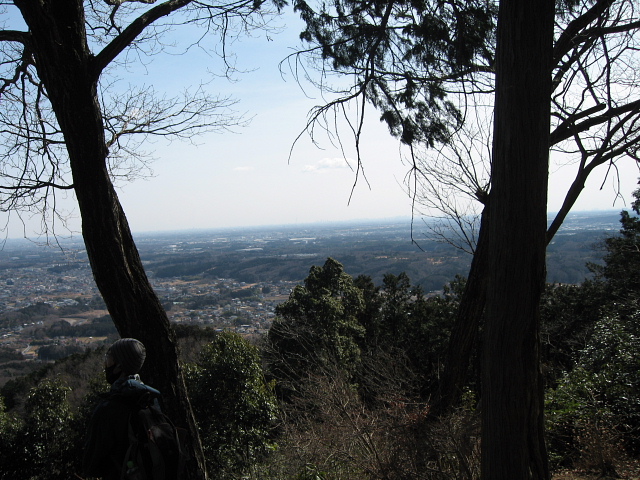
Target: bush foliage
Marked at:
234, 405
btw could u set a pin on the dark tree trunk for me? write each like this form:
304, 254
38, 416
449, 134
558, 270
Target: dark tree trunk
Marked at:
464, 334
512, 391
65, 67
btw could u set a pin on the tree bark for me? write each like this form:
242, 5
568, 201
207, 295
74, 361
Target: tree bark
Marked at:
512, 391
464, 335
64, 64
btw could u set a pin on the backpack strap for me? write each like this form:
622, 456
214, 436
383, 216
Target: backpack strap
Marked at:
126, 470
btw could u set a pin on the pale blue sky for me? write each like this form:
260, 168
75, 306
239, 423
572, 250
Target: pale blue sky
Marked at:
247, 179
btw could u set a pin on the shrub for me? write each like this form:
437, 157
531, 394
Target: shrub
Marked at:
43, 445
234, 406
330, 433
595, 409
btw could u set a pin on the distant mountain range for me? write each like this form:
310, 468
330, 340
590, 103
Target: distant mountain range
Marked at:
373, 248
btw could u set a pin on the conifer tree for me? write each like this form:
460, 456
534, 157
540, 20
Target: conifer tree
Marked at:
621, 269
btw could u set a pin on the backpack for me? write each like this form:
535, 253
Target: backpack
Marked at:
154, 452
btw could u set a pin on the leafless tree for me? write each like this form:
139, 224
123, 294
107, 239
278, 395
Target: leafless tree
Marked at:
595, 115
68, 125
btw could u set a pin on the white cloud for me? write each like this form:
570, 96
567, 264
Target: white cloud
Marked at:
243, 169
326, 164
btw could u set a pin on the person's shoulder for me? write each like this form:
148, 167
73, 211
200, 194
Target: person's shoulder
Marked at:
131, 390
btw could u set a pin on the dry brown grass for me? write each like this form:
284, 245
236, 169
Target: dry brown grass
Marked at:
626, 470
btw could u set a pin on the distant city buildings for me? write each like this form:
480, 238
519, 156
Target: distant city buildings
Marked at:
22, 288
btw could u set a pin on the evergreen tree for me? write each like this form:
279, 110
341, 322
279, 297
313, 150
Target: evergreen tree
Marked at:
621, 269
318, 326
8, 431
370, 317
568, 315
334, 321
593, 333
234, 406
417, 327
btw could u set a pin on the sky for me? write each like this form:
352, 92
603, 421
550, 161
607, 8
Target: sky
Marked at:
253, 177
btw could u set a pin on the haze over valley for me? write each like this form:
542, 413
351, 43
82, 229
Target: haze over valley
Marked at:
232, 279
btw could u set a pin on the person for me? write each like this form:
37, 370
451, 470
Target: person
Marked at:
108, 431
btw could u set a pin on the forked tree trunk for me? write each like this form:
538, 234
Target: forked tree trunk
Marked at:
65, 67
512, 391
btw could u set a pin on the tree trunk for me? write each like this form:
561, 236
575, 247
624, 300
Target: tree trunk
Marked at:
65, 67
464, 334
512, 391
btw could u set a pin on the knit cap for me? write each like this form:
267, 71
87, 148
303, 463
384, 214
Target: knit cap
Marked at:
129, 353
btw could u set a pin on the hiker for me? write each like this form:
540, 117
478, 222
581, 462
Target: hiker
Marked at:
107, 439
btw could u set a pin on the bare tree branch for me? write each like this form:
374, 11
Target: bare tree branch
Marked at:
129, 34
14, 36
567, 39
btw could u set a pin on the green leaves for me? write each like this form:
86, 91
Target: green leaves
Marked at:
318, 325
234, 406
43, 445
406, 57
599, 397
335, 323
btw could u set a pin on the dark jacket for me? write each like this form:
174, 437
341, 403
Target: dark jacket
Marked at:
108, 433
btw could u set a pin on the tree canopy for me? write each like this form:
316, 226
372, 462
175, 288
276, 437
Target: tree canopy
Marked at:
620, 271
429, 70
